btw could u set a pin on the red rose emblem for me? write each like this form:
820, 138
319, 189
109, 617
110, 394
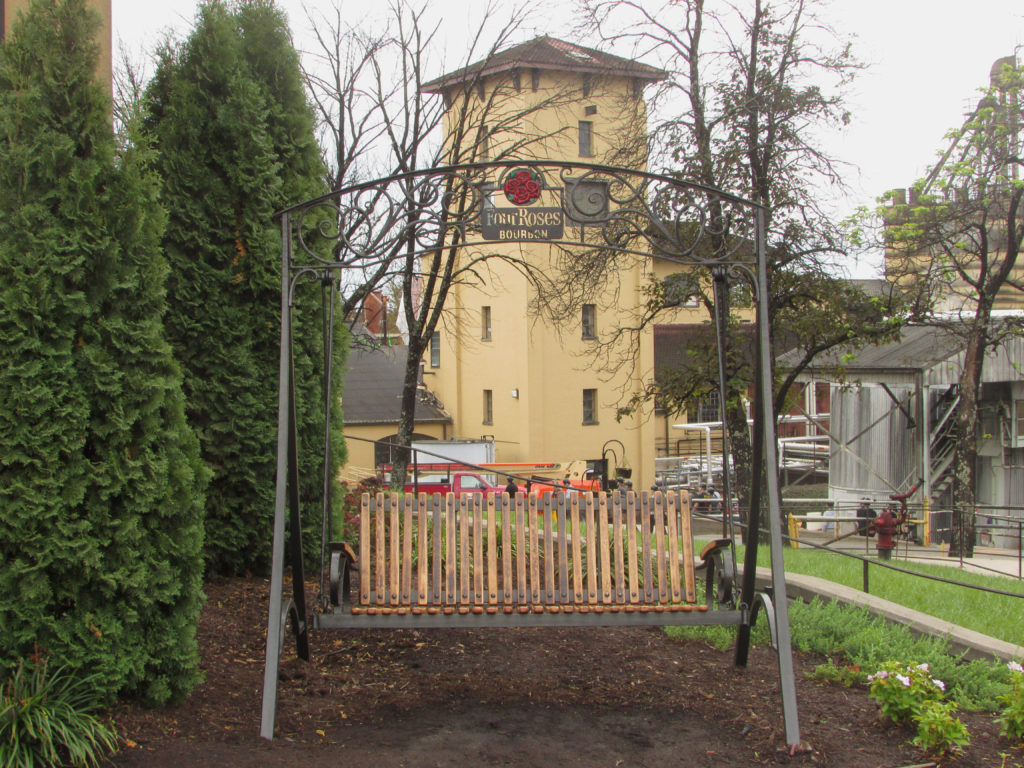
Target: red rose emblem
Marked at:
521, 188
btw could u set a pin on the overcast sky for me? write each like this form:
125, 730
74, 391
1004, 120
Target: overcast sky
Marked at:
927, 57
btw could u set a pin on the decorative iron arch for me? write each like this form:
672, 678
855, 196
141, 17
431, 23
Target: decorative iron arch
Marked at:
565, 204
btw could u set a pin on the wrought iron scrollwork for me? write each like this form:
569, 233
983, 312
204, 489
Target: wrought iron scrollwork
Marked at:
564, 204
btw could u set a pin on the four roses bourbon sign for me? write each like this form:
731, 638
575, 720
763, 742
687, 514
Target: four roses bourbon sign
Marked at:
522, 188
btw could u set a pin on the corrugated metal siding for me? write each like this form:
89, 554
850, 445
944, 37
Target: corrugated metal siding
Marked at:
922, 349
887, 448
1014, 489
998, 366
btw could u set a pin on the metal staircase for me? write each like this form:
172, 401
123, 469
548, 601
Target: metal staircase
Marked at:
942, 440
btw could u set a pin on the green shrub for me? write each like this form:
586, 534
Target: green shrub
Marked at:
902, 689
1011, 718
939, 731
102, 488
228, 115
868, 642
47, 717
855, 642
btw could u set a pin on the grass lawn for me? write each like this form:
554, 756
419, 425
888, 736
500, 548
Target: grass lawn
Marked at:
999, 616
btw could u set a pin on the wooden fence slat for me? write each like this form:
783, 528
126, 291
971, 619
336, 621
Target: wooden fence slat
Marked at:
602, 532
672, 516
631, 548
563, 548
662, 591
620, 570
689, 585
605, 544
464, 553
492, 551
437, 577
364, 549
379, 543
422, 550
535, 538
397, 503
577, 550
645, 528
507, 515
591, 523
550, 521
451, 566
476, 502
410, 503
522, 525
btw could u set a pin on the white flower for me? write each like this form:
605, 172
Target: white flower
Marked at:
903, 679
939, 684
922, 667
1014, 666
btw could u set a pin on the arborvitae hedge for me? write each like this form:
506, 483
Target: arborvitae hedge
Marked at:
101, 485
228, 114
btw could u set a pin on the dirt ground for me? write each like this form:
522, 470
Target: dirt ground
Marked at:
510, 697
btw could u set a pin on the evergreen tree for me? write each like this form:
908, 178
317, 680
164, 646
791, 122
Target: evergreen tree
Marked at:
228, 115
101, 484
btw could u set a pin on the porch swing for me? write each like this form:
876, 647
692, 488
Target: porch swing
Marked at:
559, 559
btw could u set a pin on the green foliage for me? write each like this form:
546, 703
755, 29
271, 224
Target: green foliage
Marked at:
847, 675
910, 692
1011, 717
902, 689
992, 614
866, 642
102, 486
717, 637
47, 717
939, 731
227, 112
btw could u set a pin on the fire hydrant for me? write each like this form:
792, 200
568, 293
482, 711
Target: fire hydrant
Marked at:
885, 526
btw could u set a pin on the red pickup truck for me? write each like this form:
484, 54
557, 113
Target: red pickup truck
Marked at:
459, 483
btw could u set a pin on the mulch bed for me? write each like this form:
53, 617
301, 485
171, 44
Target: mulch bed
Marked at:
563, 697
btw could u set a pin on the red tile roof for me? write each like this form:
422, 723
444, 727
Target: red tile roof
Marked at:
547, 53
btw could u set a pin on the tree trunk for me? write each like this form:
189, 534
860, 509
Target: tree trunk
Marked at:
739, 443
407, 418
965, 458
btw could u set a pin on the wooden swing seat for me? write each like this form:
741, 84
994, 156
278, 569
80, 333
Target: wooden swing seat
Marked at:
434, 561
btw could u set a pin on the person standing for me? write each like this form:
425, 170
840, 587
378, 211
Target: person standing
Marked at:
865, 514
511, 488
716, 504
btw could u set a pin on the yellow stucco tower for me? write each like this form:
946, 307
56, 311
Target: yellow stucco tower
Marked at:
546, 388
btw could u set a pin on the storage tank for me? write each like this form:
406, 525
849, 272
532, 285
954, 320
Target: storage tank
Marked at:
882, 445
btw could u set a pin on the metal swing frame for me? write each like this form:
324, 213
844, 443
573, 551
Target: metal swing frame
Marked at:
616, 210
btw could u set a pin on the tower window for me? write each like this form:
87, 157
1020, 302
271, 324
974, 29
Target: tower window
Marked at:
589, 321
586, 147
485, 323
590, 406
435, 349
488, 406
483, 148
